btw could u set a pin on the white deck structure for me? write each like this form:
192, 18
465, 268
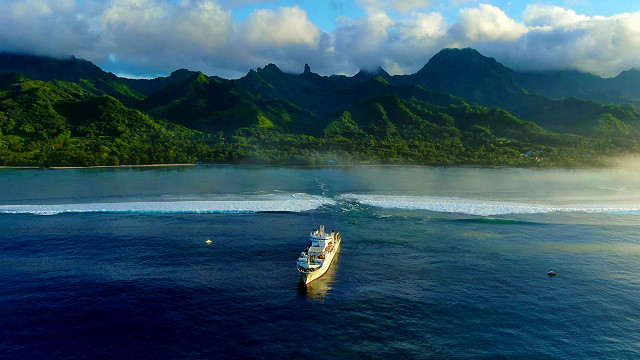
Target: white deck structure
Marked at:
316, 259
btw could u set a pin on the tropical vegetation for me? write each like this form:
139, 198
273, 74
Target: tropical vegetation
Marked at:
461, 108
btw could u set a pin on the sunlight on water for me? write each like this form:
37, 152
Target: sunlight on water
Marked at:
320, 288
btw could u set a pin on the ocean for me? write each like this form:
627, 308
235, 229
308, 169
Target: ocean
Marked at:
435, 263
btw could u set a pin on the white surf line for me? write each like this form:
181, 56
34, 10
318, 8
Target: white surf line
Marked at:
279, 203
481, 207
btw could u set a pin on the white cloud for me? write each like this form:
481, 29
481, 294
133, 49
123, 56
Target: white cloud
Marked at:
202, 35
149, 31
405, 6
414, 40
158, 36
551, 16
422, 27
488, 23
283, 27
600, 45
402, 6
361, 42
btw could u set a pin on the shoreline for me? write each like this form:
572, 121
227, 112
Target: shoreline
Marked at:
305, 166
94, 167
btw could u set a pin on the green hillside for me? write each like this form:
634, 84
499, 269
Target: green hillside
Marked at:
561, 102
461, 108
62, 124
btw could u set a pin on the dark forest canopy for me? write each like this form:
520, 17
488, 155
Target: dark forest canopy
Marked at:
461, 108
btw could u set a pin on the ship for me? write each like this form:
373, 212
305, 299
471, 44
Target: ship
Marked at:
316, 259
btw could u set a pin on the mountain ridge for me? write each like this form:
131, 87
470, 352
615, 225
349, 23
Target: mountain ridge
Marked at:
461, 107
552, 84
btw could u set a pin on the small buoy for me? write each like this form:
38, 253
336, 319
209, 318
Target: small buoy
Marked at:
552, 273
208, 242
353, 223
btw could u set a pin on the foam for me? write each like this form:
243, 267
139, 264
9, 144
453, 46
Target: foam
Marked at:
244, 204
482, 207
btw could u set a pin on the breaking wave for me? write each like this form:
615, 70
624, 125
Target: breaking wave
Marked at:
483, 207
244, 204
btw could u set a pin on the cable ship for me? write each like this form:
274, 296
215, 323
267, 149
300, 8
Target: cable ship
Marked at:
316, 259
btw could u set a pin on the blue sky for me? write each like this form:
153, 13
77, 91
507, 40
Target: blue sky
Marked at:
146, 38
324, 12
321, 12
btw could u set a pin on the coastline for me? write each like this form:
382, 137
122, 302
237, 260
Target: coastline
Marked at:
94, 167
539, 166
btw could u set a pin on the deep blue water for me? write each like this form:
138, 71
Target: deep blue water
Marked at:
435, 263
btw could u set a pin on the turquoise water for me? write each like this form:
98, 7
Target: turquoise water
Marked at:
435, 263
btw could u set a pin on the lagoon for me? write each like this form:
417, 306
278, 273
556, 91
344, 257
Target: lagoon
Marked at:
435, 263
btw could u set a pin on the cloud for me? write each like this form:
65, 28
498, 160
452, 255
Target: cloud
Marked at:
157, 36
202, 35
405, 6
551, 16
401, 6
487, 23
562, 39
422, 27
284, 36
283, 27
414, 40
404, 45
154, 32
41, 27
361, 41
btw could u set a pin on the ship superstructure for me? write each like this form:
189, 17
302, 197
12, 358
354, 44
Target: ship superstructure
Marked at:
316, 259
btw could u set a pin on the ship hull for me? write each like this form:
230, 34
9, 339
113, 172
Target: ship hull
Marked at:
307, 277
